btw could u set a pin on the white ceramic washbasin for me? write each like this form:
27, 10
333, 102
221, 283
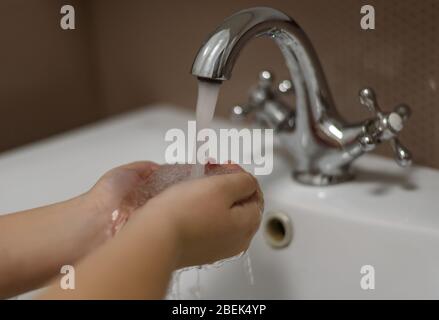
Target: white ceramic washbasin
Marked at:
387, 218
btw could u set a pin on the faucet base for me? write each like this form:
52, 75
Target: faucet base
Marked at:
321, 179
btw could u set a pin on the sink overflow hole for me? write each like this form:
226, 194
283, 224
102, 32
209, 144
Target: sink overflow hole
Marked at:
278, 231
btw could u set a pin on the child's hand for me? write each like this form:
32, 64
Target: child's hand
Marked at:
189, 223
38, 242
212, 217
108, 193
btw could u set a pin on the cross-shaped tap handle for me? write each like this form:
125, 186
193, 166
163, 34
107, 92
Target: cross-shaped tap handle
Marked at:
388, 125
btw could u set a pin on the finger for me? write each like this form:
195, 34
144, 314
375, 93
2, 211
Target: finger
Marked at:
247, 216
235, 186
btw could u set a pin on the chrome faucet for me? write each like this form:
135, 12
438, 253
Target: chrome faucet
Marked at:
323, 144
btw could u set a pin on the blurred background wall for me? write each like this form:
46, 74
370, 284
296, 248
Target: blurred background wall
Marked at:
128, 54
47, 78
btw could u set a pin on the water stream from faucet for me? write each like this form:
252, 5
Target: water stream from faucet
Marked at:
206, 103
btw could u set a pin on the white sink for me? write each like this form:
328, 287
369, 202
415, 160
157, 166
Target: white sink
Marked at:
387, 218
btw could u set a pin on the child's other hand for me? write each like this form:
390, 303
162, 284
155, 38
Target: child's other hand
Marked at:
109, 191
212, 218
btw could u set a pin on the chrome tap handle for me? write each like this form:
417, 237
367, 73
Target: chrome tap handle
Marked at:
239, 112
264, 105
265, 78
404, 111
402, 155
285, 86
262, 91
392, 121
258, 94
369, 100
387, 126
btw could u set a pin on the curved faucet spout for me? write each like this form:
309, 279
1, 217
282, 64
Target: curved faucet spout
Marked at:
322, 143
216, 58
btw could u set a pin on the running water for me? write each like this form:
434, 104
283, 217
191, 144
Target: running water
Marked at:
196, 290
175, 292
207, 97
248, 269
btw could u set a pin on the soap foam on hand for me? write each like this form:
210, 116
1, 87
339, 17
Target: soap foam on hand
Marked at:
164, 177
